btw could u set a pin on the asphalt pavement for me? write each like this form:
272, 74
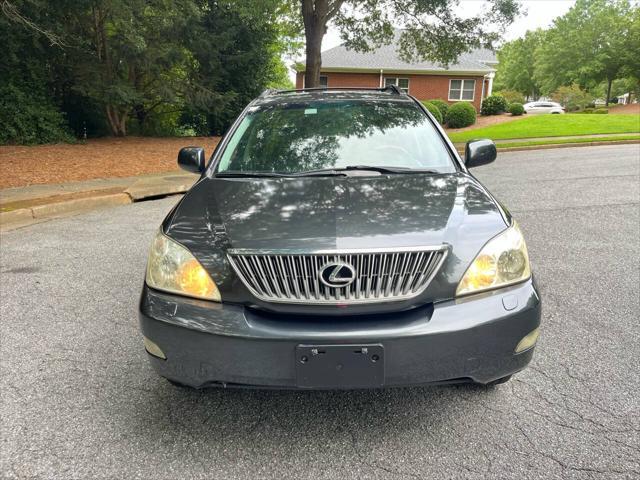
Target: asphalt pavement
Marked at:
78, 399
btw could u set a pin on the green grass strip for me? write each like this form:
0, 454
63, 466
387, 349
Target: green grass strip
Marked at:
554, 126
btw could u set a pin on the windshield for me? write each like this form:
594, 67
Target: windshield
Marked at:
293, 138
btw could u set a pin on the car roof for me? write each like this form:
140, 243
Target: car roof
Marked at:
331, 94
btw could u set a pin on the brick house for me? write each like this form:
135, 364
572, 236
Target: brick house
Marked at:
470, 79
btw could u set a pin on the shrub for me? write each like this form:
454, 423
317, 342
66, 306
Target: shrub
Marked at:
460, 115
442, 106
434, 111
494, 105
28, 118
572, 97
516, 109
597, 111
511, 96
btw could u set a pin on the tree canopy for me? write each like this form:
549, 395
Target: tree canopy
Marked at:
516, 62
432, 29
596, 42
142, 66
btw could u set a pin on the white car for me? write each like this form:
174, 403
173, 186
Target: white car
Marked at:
543, 107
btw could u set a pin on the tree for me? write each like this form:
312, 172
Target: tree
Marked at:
29, 113
147, 66
588, 45
516, 65
127, 55
631, 69
432, 29
236, 49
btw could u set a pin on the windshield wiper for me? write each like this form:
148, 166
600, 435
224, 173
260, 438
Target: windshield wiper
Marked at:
373, 168
237, 174
380, 169
311, 173
324, 172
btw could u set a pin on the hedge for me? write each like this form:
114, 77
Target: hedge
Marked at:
494, 105
516, 109
460, 115
434, 111
442, 106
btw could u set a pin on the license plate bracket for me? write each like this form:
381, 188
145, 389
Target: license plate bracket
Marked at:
340, 366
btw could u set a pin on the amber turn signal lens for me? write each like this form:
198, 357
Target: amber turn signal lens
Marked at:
195, 280
481, 274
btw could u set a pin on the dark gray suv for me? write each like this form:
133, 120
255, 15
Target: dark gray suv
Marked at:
337, 240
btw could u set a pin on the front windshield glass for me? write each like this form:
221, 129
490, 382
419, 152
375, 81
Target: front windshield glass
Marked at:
293, 138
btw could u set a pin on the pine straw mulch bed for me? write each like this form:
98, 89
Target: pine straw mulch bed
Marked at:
96, 158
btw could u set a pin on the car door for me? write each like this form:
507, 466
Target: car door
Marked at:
546, 107
536, 108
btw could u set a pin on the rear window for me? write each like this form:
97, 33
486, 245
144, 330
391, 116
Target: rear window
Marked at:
298, 137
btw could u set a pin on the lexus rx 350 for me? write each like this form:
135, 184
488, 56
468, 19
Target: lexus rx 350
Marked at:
336, 239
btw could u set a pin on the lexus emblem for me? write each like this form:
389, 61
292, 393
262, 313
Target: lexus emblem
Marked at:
337, 274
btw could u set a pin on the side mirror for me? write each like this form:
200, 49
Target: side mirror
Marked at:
192, 159
479, 152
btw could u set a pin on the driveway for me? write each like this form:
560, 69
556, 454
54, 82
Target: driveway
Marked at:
80, 401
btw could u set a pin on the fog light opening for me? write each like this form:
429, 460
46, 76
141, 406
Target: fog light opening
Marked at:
152, 348
528, 341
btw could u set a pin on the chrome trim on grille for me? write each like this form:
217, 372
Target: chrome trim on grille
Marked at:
382, 274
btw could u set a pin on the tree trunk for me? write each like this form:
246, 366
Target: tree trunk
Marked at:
316, 14
122, 131
609, 82
117, 120
313, 60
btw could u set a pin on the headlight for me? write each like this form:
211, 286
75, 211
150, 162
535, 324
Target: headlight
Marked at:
503, 261
174, 269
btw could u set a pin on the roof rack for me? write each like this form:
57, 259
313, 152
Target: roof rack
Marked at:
267, 92
389, 88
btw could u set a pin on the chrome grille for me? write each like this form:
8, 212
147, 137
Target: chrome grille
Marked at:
294, 277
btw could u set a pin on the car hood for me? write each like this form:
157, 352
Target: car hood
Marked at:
337, 212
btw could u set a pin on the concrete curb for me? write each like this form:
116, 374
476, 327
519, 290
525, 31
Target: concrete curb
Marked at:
16, 216
144, 189
52, 209
566, 145
553, 146
141, 189
26, 216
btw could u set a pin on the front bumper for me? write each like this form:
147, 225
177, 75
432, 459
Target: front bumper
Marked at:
468, 339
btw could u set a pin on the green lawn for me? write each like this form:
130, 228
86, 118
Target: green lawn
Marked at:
554, 126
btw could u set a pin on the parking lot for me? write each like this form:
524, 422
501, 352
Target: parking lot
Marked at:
79, 400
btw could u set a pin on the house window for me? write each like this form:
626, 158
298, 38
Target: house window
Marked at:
401, 83
461, 90
324, 81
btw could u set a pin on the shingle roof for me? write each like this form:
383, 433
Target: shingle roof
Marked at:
387, 58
